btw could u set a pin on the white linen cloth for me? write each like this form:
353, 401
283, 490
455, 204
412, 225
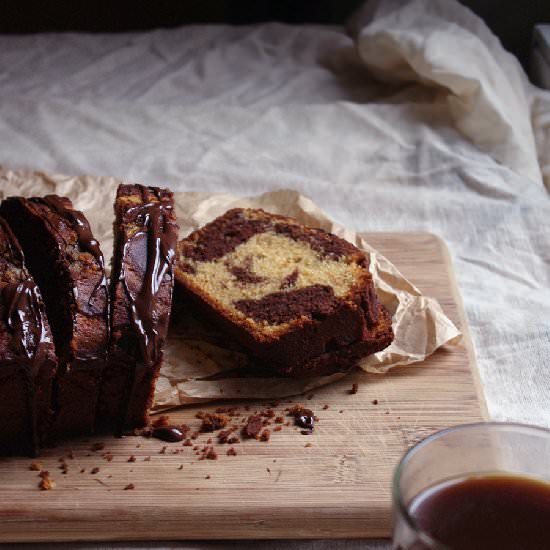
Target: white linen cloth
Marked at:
421, 123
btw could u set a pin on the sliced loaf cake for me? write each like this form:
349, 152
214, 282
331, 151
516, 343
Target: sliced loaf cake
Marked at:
67, 264
142, 279
300, 300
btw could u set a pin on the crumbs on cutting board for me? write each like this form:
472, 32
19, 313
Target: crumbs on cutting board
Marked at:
224, 427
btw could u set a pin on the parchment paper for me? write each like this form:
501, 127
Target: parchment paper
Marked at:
200, 364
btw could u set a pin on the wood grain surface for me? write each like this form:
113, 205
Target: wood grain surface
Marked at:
339, 486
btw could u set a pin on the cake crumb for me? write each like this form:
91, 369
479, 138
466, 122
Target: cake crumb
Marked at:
46, 484
207, 477
147, 459
231, 452
98, 446
253, 426
129, 487
308, 445
325, 407
163, 450
211, 454
268, 470
82, 470
180, 467
213, 422
354, 388
279, 420
340, 411
266, 434
131, 458
35, 466
310, 396
161, 421
277, 428
107, 456
375, 401
94, 470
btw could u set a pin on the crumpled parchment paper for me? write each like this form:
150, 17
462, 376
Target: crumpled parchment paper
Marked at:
201, 365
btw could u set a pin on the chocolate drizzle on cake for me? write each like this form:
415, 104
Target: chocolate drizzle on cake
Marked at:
86, 240
24, 317
28, 352
161, 243
313, 302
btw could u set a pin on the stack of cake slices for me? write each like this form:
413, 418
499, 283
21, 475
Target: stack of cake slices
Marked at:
78, 352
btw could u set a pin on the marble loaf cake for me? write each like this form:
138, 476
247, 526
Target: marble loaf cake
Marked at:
300, 300
66, 262
142, 278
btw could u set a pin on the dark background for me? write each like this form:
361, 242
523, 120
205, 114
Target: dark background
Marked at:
511, 20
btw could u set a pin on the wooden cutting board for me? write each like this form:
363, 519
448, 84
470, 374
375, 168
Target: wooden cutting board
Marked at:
334, 483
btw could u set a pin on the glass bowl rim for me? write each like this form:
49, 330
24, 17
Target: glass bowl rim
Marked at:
402, 509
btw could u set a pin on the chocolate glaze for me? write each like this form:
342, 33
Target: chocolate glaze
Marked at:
86, 240
315, 301
305, 420
24, 317
161, 242
171, 434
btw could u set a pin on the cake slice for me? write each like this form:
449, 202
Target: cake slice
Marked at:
27, 356
300, 300
67, 264
142, 280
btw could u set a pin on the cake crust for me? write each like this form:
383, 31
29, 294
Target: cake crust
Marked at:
290, 294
